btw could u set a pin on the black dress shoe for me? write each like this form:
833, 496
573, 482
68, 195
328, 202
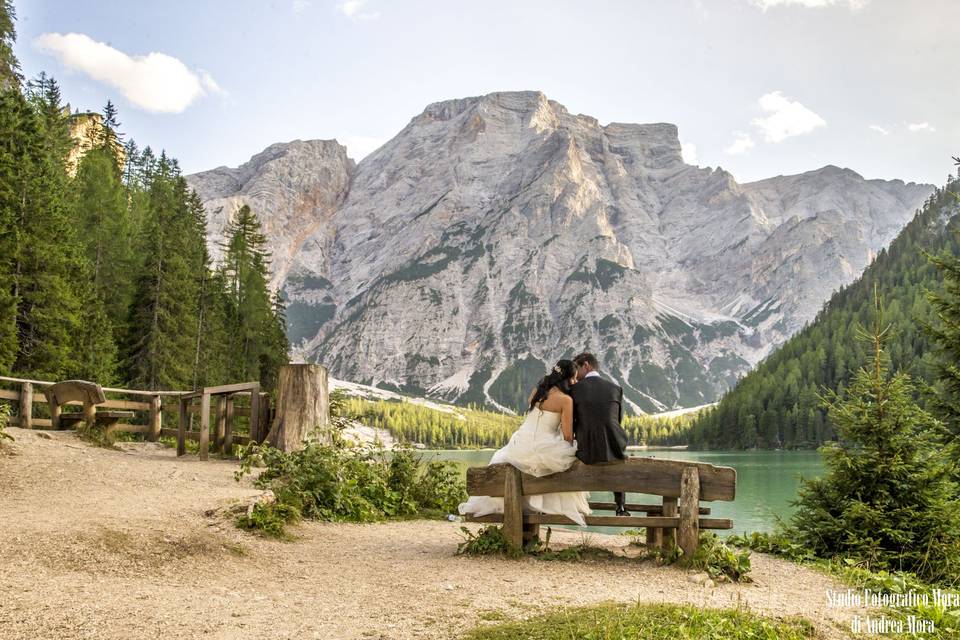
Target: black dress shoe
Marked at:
622, 512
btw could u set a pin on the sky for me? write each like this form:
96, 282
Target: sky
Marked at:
758, 87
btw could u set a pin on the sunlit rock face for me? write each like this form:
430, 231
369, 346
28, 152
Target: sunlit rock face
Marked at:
496, 234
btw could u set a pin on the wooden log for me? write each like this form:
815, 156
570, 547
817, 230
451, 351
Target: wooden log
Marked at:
205, 426
26, 405
6, 394
221, 424
668, 539
302, 407
156, 418
688, 534
654, 476
513, 508
228, 426
181, 427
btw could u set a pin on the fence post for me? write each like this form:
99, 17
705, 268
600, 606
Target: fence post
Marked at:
221, 424
26, 405
182, 427
204, 426
228, 427
156, 419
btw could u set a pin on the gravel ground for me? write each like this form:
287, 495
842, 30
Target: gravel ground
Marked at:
134, 544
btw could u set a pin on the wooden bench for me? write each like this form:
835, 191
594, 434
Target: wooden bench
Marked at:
89, 394
681, 483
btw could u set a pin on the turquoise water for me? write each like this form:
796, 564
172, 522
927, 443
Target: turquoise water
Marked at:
766, 481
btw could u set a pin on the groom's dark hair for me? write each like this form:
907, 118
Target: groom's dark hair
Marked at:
587, 358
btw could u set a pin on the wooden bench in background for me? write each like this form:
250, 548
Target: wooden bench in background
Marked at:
89, 394
682, 485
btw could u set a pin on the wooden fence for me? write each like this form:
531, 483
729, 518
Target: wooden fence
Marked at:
28, 393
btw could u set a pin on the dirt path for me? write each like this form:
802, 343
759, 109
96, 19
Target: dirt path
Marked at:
116, 544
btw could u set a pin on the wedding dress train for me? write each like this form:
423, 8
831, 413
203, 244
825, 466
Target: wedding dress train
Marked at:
537, 448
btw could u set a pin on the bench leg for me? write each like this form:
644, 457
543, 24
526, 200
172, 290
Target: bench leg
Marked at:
530, 532
688, 534
667, 540
513, 508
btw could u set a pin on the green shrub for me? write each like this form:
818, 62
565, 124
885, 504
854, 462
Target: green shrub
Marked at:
354, 484
489, 540
778, 543
887, 498
4, 421
718, 559
269, 519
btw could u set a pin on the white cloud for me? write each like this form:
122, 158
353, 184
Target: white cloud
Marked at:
855, 5
688, 151
359, 147
787, 118
741, 144
155, 82
921, 126
879, 129
353, 10
300, 6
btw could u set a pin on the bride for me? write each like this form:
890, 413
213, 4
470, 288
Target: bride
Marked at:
542, 445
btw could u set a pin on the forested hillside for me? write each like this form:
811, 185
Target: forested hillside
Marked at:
777, 404
105, 273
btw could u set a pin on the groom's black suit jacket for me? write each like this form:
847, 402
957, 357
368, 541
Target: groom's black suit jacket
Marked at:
597, 411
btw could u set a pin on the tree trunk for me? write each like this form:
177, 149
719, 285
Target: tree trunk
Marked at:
303, 404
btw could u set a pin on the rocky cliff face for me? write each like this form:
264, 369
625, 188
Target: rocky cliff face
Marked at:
496, 234
294, 188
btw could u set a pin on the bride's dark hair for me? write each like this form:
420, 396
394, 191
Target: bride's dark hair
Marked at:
559, 377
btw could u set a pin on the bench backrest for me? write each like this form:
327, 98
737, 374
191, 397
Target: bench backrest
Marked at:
654, 476
75, 391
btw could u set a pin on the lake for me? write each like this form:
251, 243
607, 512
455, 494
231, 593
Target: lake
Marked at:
766, 481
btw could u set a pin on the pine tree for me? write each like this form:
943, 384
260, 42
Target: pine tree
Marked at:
887, 497
261, 345
9, 66
161, 335
945, 332
50, 270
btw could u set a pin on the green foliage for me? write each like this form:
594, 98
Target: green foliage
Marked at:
487, 541
4, 421
718, 559
777, 543
269, 519
354, 484
777, 404
648, 622
887, 498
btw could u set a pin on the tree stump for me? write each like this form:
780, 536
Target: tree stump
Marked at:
303, 405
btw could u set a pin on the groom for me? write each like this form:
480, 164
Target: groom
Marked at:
597, 412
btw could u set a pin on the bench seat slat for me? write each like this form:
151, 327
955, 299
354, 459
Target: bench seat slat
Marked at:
660, 522
649, 509
655, 476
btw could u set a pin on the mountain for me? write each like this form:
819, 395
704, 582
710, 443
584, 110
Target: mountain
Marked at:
495, 234
776, 404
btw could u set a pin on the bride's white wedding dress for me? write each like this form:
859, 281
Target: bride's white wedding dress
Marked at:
537, 448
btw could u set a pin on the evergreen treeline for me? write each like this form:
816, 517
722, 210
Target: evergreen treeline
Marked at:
473, 427
777, 404
105, 275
